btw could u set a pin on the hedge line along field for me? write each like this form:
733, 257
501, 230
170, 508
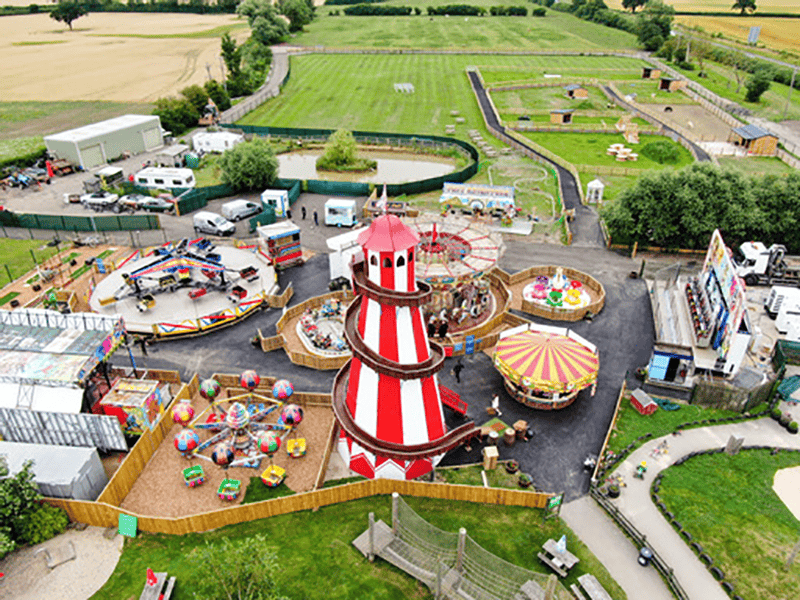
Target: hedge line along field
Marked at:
556, 31
105, 59
358, 92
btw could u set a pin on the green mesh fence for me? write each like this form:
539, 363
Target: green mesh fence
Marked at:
337, 188
267, 217
81, 223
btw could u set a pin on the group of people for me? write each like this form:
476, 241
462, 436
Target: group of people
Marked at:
438, 325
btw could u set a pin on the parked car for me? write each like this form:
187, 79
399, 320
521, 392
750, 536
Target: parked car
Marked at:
99, 201
156, 205
131, 202
72, 198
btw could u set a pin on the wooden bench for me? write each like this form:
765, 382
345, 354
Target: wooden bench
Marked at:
154, 592
593, 588
577, 591
546, 560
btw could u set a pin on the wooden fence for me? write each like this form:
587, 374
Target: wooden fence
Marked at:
606, 170
561, 82
333, 440
622, 391
101, 514
282, 299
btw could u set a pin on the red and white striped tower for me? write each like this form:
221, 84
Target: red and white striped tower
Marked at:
386, 398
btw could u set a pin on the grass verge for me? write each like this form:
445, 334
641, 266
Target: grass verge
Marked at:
318, 545
257, 491
727, 503
15, 256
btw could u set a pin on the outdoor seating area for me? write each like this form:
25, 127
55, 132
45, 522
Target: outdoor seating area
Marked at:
622, 153
592, 587
559, 559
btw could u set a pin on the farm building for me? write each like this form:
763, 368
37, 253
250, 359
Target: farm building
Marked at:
172, 156
98, 143
59, 471
650, 73
561, 116
216, 141
755, 140
576, 91
671, 85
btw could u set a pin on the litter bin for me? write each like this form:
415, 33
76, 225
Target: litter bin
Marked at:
509, 437
645, 556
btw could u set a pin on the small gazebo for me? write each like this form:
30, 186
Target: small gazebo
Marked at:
594, 191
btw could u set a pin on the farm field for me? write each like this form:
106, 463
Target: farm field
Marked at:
783, 6
556, 31
34, 119
101, 60
749, 535
570, 68
777, 34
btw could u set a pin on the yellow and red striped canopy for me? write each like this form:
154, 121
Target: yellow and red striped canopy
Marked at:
546, 361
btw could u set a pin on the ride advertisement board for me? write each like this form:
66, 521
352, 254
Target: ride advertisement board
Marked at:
719, 262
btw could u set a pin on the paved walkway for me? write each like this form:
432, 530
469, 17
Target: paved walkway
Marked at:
618, 555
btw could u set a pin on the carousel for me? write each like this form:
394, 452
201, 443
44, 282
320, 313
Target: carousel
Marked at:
546, 368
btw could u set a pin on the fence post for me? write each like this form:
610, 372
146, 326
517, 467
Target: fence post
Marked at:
462, 539
133, 242
371, 548
395, 510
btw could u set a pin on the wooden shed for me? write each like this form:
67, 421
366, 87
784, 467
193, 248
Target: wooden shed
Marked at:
575, 91
757, 141
642, 402
561, 116
650, 73
671, 85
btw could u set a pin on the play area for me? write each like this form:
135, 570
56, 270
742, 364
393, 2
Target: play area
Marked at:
184, 286
321, 329
224, 437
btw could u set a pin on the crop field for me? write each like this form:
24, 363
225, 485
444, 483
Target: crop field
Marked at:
779, 6
556, 31
778, 34
132, 57
569, 68
34, 119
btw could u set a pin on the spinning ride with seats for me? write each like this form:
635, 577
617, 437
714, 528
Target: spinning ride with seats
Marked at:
557, 291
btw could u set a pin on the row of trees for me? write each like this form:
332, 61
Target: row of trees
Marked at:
680, 209
181, 113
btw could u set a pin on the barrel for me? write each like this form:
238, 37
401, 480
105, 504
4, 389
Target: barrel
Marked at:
509, 436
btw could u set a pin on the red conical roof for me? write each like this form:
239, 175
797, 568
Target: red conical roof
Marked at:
388, 234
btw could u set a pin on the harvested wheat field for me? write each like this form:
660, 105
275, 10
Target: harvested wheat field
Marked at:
777, 34
129, 57
160, 491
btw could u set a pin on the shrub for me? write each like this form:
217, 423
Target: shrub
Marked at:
792, 427
7, 545
42, 524
661, 151
775, 413
460, 10
361, 10
785, 419
176, 114
249, 166
613, 491
539, 11
340, 154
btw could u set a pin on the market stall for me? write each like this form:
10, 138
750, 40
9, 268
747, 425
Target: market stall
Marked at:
137, 403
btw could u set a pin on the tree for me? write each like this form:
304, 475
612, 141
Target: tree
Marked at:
243, 568
67, 12
700, 50
232, 55
633, 4
655, 24
298, 12
19, 496
757, 84
341, 148
176, 114
744, 5
269, 29
197, 96
737, 61
218, 94
249, 166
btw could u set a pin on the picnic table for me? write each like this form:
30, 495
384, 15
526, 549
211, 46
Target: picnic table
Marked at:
154, 592
593, 589
560, 562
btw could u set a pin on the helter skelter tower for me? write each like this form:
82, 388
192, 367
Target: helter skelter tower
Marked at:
386, 398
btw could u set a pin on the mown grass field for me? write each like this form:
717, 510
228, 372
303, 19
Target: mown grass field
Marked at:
570, 68
727, 503
556, 31
318, 559
15, 256
755, 164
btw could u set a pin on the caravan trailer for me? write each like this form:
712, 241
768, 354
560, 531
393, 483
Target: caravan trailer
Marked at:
165, 178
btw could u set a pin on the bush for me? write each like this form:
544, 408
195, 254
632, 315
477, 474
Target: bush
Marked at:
538, 12
459, 10
176, 114
775, 413
661, 152
785, 419
249, 166
42, 524
508, 11
340, 154
371, 10
7, 545
792, 427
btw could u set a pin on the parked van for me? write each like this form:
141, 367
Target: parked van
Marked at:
236, 210
340, 213
212, 223
277, 199
165, 178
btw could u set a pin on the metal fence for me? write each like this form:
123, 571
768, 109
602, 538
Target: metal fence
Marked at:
77, 223
133, 238
62, 429
261, 95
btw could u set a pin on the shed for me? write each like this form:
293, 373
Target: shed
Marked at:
59, 471
575, 90
671, 85
755, 140
216, 141
594, 191
98, 143
650, 73
172, 156
642, 402
561, 116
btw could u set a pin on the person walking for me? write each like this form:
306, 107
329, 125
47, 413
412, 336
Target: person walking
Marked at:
303, 212
496, 405
316, 219
457, 370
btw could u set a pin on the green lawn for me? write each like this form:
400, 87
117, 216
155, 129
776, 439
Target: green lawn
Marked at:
12, 148
590, 149
319, 561
257, 491
571, 68
556, 31
728, 505
755, 164
647, 92
615, 184
549, 98
631, 424
16, 256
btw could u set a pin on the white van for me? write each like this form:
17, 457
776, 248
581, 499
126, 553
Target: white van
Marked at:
213, 224
236, 210
165, 178
277, 199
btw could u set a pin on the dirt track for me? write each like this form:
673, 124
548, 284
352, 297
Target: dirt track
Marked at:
45, 61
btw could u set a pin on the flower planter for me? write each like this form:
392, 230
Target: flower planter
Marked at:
525, 480
613, 491
512, 466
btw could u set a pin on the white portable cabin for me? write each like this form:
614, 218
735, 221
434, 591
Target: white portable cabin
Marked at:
164, 178
277, 199
216, 141
98, 143
780, 295
344, 247
788, 314
340, 213
59, 471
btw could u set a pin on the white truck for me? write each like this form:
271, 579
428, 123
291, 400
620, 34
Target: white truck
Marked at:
759, 265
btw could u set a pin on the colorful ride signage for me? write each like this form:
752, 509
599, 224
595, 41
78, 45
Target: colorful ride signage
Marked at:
719, 264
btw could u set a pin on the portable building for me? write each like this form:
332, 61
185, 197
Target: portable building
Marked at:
164, 178
98, 143
278, 200
59, 471
669, 84
755, 140
216, 141
650, 73
340, 213
344, 247
172, 156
